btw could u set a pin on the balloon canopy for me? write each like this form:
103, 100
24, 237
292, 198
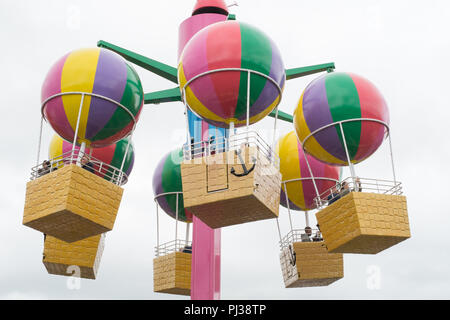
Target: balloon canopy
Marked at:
167, 179
92, 71
221, 97
294, 166
111, 155
335, 97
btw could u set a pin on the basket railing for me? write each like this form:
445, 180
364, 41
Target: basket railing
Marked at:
97, 167
358, 184
236, 142
177, 245
300, 235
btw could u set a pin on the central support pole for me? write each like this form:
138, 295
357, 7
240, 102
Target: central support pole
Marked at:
205, 277
205, 267
206, 242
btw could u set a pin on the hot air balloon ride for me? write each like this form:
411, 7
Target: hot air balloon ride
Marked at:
172, 264
304, 259
231, 75
92, 98
342, 119
106, 161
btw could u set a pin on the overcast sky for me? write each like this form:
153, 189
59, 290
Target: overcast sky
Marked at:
401, 46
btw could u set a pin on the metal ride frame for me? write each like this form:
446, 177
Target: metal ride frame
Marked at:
231, 128
350, 164
174, 245
81, 153
176, 93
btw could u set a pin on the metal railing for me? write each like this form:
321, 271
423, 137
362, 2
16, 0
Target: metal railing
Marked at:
300, 235
351, 184
97, 167
173, 246
234, 143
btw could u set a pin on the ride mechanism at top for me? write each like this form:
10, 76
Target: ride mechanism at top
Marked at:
230, 75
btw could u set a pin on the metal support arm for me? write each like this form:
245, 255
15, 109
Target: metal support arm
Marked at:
170, 73
159, 68
168, 95
305, 71
282, 115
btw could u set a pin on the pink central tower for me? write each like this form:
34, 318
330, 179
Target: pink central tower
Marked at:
205, 277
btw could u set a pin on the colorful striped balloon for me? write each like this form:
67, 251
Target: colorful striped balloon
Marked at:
293, 165
335, 97
167, 178
221, 97
111, 155
97, 71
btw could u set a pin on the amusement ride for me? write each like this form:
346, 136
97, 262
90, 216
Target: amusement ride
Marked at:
229, 76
